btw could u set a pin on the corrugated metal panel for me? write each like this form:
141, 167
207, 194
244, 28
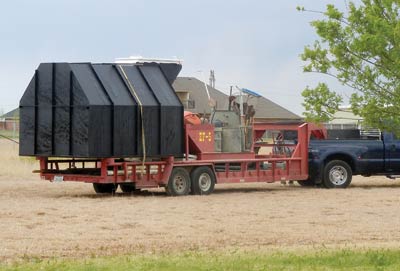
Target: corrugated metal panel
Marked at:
90, 110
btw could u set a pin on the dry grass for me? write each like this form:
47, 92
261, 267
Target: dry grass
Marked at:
45, 219
11, 165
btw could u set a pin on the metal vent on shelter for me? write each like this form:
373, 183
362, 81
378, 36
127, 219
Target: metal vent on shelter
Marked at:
96, 110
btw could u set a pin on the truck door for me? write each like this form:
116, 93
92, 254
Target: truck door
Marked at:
392, 153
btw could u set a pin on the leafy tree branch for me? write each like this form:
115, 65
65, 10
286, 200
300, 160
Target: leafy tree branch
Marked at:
359, 48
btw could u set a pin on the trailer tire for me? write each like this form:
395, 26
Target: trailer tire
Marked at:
128, 187
203, 181
178, 183
105, 188
337, 174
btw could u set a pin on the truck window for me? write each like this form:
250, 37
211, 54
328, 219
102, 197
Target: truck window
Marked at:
390, 137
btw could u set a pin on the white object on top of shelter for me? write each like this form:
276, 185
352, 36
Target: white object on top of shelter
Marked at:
140, 59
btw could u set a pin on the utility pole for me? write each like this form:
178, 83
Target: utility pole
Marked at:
212, 78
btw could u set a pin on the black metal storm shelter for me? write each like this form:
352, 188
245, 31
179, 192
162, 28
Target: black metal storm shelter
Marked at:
101, 110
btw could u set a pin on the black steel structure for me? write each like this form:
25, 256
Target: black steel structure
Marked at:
101, 110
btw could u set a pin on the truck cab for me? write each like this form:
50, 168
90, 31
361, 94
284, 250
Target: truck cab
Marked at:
392, 152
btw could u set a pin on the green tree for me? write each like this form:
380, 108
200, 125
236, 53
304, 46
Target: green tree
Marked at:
360, 47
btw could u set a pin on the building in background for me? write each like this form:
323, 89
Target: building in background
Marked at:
10, 121
344, 119
346, 125
192, 93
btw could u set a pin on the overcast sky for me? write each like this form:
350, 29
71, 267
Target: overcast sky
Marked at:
252, 44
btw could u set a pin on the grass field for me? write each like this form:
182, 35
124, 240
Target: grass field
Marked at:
323, 260
13, 166
66, 226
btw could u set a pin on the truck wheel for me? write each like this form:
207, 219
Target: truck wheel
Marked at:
309, 182
128, 187
337, 174
179, 182
203, 181
105, 188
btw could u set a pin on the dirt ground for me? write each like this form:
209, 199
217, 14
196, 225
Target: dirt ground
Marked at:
38, 218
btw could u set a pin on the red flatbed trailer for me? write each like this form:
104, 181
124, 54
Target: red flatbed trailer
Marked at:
199, 169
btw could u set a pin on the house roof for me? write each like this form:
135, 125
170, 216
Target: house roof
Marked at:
198, 93
13, 114
264, 107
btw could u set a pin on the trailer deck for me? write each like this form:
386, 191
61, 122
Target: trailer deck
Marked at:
226, 167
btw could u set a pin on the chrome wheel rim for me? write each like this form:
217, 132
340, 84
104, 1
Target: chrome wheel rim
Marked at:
205, 182
179, 183
338, 175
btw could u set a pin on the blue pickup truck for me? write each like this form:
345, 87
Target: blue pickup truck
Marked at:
332, 163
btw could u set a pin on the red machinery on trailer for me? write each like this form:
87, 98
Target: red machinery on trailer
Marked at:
204, 163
